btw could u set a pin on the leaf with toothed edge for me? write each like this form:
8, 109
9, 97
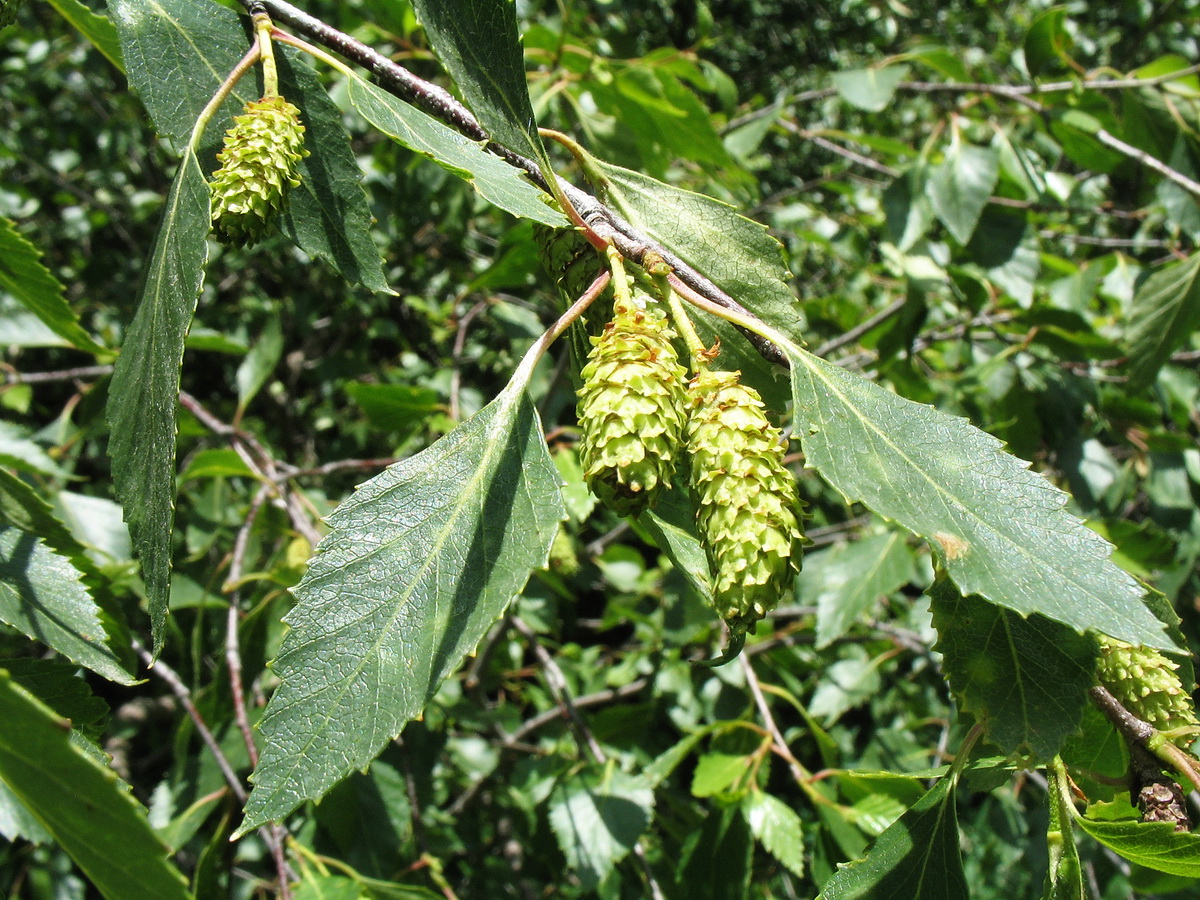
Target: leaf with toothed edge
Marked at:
1000, 530
421, 561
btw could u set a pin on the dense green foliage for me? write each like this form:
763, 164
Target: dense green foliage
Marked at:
981, 223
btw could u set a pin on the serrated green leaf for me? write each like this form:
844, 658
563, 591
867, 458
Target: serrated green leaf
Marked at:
1164, 313
739, 255
421, 561
845, 580
180, 51
58, 684
81, 803
1001, 530
144, 391
869, 89
96, 28
496, 181
777, 828
42, 589
917, 858
1026, 678
1155, 845
478, 43
24, 277
598, 818
960, 186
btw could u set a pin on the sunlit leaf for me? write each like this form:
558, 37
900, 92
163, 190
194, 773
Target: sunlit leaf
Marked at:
421, 561
1000, 530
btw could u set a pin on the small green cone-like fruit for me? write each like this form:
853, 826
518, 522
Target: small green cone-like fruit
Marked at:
570, 260
259, 163
631, 408
8, 11
747, 507
1145, 683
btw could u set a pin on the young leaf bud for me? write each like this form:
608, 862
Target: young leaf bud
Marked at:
263, 149
747, 507
631, 408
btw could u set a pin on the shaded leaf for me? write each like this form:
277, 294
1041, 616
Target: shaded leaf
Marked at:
328, 215
959, 187
845, 580
24, 277
1164, 313
43, 592
1026, 679
421, 561
1155, 845
81, 803
145, 385
717, 860
496, 181
478, 43
869, 89
917, 858
259, 363
777, 828
597, 818
1000, 530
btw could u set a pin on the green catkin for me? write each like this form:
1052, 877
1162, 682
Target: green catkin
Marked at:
747, 508
1145, 683
259, 164
631, 407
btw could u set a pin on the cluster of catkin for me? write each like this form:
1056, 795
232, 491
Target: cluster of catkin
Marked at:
644, 421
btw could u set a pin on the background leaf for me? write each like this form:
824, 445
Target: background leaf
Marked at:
777, 828
1026, 679
845, 580
597, 818
43, 586
1000, 529
81, 803
959, 187
435, 548
145, 384
869, 89
24, 277
1164, 313
917, 858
